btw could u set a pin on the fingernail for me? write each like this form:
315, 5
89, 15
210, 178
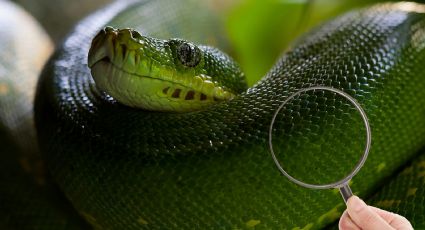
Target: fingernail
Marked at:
356, 203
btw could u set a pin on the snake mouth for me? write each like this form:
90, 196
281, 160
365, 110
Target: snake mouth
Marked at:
106, 61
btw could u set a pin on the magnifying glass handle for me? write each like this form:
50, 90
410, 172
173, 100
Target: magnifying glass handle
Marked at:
345, 192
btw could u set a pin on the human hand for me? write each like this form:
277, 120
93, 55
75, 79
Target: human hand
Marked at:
361, 216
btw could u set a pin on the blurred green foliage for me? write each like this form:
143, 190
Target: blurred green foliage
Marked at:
260, 30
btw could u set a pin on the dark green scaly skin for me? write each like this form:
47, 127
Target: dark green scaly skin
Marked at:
406, 193
132, 169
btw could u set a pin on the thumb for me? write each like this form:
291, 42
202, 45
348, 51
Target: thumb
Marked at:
364, 216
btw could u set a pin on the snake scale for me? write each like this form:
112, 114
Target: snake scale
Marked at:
126, 168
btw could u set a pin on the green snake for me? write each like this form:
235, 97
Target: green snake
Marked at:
123, 167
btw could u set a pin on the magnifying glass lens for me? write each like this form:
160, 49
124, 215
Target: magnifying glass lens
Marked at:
318, 137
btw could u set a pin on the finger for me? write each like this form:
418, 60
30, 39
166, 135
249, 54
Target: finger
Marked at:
364, 216
345, 222
394, 220
387, 216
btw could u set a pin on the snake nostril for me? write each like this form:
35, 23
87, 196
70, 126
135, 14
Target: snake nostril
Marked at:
135, 34
109, 29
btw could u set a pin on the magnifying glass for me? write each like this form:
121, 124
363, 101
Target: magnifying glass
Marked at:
319, 138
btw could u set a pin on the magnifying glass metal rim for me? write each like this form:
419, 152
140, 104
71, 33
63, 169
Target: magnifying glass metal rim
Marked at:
343, 183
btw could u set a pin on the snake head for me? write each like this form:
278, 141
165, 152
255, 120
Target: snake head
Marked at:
162, 75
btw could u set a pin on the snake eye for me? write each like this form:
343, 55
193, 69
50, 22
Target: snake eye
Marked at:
188, 54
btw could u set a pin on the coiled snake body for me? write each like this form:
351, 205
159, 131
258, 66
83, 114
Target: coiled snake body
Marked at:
125, 168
